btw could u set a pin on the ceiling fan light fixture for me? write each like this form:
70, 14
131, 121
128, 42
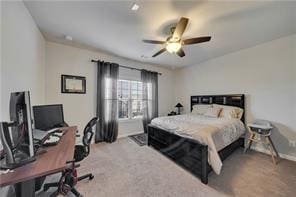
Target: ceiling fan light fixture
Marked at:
173, 47
174, 42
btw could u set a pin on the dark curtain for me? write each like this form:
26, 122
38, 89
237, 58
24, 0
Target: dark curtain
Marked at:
107, 127
150, 97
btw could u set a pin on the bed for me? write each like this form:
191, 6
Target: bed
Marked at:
181, 137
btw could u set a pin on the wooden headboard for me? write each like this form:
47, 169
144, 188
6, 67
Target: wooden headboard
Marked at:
237, 100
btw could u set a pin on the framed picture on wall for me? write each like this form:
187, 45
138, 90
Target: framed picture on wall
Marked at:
73, 84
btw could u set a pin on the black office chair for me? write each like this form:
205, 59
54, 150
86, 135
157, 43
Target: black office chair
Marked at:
82, 151
69, 177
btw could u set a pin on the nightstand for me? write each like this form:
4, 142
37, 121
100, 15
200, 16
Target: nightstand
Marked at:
260, 133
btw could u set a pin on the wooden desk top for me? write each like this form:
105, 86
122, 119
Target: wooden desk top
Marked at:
53, 161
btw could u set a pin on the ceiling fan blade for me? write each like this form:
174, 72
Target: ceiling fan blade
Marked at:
181, 53
154, 41
159, 52
197, 40
180, 28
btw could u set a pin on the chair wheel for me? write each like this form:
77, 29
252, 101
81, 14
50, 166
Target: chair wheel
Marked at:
91, 177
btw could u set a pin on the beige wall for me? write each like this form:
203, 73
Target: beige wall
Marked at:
23, 56
1, 62
79, 108
265, 73
294, 71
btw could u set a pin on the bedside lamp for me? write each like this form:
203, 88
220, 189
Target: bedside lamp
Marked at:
179, 106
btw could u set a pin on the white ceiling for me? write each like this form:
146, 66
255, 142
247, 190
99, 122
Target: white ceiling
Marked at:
112, 27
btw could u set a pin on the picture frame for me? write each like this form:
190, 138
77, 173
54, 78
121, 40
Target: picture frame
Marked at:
71, 84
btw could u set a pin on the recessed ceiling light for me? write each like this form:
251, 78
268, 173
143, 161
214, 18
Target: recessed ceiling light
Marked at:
135, 7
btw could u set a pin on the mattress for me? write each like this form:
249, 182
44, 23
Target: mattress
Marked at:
217, 133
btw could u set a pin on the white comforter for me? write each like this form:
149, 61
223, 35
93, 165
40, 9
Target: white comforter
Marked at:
217, 133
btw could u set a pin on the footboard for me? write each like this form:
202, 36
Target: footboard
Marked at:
186, 152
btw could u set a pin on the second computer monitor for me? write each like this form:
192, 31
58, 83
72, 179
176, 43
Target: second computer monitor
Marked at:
21, 118
47, 117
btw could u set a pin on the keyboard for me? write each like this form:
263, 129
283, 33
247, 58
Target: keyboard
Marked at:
5, 171
52, 140
40, 135
58, 134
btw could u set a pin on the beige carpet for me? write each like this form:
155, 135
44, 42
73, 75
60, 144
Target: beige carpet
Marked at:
254, 174
126, 169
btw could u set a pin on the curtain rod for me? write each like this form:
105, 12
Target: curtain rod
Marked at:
127, 67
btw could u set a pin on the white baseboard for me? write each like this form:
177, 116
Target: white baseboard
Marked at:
263, 150
128, 134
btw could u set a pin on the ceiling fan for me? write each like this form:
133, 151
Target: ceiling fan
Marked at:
174, 43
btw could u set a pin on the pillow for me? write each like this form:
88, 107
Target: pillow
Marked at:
200, 109
213, 112
230, 111
240, 114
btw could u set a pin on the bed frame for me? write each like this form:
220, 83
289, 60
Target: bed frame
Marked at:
189, 153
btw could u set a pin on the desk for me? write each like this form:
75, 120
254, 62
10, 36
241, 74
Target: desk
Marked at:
51, 162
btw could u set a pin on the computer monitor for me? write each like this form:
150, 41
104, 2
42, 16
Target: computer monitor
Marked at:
17, 136
47, 117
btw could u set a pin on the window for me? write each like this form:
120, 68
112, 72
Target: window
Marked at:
129, 99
